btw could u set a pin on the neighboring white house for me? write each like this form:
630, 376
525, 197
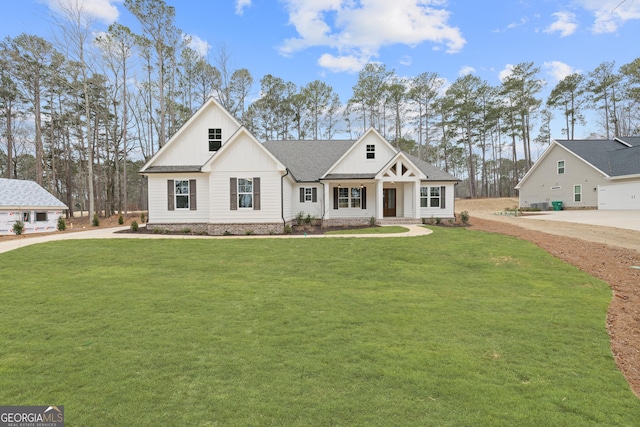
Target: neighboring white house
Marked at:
213, 176
603, 174
28, 202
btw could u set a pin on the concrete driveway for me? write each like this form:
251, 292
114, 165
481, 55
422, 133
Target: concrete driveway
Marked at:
628, 219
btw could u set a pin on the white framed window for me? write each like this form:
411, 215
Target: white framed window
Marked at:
356, 197
560, 167
424, 197
245, 193
371, 151
308, 194
343, 197
182, 193
215, 139
577, 193
434, 197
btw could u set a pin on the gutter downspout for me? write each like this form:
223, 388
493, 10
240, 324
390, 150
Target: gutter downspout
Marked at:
284, 221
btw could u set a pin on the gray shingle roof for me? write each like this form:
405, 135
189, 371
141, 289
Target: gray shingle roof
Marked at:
173, 169
610, 156
432, 173
16, 193
635, 140
308, 161
625, 161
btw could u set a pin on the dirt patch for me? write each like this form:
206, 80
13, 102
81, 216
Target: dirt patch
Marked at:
604, 252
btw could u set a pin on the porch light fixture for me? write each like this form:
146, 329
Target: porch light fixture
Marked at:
338, 185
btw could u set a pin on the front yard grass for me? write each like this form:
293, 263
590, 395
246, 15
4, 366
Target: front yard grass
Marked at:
387, 229
459, 328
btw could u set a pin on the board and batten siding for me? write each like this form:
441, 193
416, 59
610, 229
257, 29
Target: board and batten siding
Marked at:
158, 199
193, 146
356, 159
543, 182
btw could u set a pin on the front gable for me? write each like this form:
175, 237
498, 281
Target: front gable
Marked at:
367, 155
243, 153
190, 145
400, 169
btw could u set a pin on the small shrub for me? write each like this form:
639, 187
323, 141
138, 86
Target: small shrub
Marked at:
464, 218
120, 219
300, 218
134, 226
142, 217
158, 231
308, 219
248, 233
372, 221
62, 224
287, 229
226, 233
186, 230
96, 221
18, 227
438, 221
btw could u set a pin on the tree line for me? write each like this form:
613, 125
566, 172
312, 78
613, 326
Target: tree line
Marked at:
81, 114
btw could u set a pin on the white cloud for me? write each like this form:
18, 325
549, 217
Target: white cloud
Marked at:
406, 60
558, 70
241, 5
466, 70
565, 24
199, 45
102, 10
506, 72
338, 64
611, 14
358, 30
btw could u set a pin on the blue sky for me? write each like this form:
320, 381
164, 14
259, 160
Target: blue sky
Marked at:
330, 40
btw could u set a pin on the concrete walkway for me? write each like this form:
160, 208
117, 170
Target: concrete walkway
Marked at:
112, 233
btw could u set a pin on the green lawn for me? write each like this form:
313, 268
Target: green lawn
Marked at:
388, 229
459, 328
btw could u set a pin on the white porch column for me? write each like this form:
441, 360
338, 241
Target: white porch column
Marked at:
328, 201
379, 207
416, 199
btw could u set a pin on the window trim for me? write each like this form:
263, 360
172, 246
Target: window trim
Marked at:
245, 193
345, 195
577, 195
371, 151
426, 196
215, 138
182, 195
560, 169
172, 201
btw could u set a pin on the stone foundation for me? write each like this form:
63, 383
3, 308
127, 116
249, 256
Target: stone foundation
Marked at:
341, 222
217, 229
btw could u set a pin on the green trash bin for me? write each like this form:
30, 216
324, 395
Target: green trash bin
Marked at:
557, 205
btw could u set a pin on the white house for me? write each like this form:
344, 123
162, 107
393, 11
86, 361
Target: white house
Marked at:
28, 202
594, 173
214, 176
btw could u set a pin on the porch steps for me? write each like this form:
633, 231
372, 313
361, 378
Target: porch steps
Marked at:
399, 221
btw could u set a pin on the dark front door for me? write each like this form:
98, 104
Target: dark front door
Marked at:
388, 202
